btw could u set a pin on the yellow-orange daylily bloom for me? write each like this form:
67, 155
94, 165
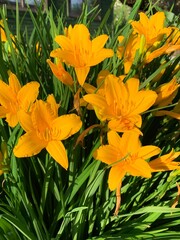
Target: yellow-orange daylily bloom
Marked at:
149, 38
45, 129
125, 155
61, 74
92, 89
167, 92
173, 40
78, 50
151, 28
14, 98
128, 51
121, 103
165, 162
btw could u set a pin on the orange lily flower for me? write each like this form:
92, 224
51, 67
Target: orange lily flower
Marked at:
167, 92
79, 51
121, 103
165, 162
44, 129
61, 74
125, 155
173, 40
152, 28
147, 38
128, 51
91, 89
14, 98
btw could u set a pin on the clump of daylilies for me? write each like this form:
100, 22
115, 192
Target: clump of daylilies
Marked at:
118, 101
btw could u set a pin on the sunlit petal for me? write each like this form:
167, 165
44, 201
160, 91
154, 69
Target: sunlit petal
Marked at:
65, 126
149, 151
12, 119
58, 152
115, 177
53, 105
99, 42
114, 139
82, 73
89, 88
124, 125
113, 90
95, 99
25, 121
107, 154
158, 20
14, 83
132, 86
64, 42
165, 162
144, 100
156, 53
56, 53
27, 95
42, 115
139, 168
3, 112
101, 56
131, 142
29, 145
6, 95
60, 73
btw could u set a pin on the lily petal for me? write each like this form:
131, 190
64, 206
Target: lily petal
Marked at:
60, 73
139, 168
54, 106
114, 139
165, 162
56, 53
25, 121
29, 145
144, 100
158, 20
82, 73
3, 112
6, 95
65, 126
107, 154
96, 100
115, 177
64, 42
41, 115
12, 119
57, 150
99, 42
124, 125
149, 151
132, 86
130, 142
14, 83
27, 95
101, 56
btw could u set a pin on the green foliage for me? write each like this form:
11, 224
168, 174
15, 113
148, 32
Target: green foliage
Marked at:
39, 199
